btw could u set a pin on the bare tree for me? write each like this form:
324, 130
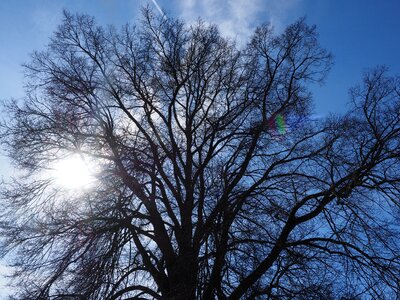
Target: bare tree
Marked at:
201, 191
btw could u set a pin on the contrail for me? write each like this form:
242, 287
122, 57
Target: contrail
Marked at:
159, 8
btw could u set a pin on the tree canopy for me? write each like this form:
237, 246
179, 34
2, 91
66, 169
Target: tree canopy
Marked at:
212, 178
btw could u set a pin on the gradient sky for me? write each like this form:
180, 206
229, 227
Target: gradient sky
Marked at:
360, 33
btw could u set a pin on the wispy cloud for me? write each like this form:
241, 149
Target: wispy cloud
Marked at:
238, 18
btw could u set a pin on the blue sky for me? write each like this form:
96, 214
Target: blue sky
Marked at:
360, 33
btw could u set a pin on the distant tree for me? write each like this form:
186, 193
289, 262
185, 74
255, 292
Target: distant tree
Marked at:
202, 190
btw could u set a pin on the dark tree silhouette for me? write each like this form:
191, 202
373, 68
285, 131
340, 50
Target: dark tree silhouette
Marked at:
201, 191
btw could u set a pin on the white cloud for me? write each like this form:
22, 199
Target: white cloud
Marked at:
238, 18
5, 289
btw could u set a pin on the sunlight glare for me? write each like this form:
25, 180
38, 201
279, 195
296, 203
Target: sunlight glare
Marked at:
73, 173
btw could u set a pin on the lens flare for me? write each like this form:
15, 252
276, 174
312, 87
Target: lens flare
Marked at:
277, 124
280, 124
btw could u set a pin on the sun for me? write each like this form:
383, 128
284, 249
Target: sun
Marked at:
73, 173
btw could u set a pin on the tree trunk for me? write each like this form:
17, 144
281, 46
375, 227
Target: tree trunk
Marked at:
183, 277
